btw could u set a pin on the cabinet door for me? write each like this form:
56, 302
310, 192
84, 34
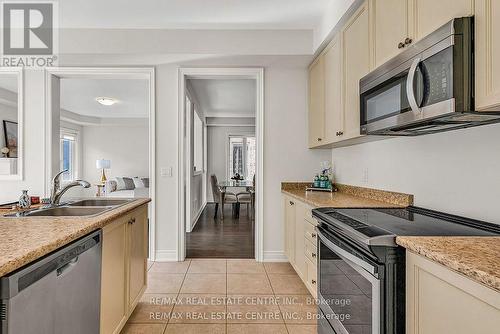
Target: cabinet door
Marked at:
487, 49
137, 259
290, 229
316, 103
114, 306
428, 15
439, 300
356, 59
390, 27
334, 116
300, 257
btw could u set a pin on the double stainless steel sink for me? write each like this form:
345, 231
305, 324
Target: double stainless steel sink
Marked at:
81, 208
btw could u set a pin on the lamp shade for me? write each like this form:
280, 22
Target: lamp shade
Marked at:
103, 164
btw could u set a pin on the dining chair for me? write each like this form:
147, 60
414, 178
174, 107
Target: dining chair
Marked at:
221, 198
248, 198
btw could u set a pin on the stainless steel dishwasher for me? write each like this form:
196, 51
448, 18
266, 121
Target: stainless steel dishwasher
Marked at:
58, 294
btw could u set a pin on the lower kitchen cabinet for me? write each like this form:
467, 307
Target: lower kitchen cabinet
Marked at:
301, 241
124, 268
439, 300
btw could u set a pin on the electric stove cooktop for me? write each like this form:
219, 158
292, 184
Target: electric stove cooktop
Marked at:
381, 226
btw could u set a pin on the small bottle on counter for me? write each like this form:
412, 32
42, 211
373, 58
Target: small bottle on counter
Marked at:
24, 200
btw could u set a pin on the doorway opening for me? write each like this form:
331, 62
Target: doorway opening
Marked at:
221, 114
100, 128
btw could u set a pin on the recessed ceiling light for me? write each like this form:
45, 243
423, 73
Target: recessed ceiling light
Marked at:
106, 101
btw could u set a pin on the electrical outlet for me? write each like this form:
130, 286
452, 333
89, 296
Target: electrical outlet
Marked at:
365, 176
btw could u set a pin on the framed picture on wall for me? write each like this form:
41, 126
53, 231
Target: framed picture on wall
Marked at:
11, 139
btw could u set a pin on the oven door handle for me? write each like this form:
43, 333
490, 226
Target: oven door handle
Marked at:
410, 92
345, 255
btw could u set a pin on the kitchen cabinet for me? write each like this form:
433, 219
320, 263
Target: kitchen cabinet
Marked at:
316, 103
390, 28
334, 114
137, 260
439, 300
356, 64
124, 268
428, 15
487, 54
289, 229
301, 241
300, 252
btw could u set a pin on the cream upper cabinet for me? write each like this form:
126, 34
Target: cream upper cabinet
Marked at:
390, 28
334, 115
487, 54
428, 15
356, 64
317, 103
439, 301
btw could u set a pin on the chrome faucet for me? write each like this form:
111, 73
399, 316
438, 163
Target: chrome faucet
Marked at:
56, 194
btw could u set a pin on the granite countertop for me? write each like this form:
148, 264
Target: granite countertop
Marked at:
347, 196
26, 239
475, 257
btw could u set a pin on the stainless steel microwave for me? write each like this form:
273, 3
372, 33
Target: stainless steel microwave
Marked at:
427, 88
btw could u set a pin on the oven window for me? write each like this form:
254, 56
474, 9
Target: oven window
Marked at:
386, 100
347, 293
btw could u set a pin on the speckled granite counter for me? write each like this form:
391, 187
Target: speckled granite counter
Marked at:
475, 257
347, 196
23, 240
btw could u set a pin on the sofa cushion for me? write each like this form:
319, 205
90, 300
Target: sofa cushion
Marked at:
124, 183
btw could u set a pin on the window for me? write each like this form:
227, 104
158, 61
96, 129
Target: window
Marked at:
68, 154
242, 156
198, 143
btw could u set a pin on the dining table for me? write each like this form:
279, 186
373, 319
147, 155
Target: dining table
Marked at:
223, 185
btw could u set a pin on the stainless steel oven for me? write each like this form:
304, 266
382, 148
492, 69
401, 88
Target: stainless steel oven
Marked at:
350, 289
425, 89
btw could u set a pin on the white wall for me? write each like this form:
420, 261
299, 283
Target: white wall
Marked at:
126, 146
197, 201
217, 151
455, 172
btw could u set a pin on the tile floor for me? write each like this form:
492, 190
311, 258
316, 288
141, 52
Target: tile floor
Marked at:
218, 296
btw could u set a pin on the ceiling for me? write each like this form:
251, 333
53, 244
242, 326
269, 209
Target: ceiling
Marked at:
225, 97
78, 96
192, 14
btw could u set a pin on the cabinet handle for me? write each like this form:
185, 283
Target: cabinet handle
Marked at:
313, 235
292, 203
131, 221
313, 254
313, 282
401, 45
408, 40
341, 133
319, 139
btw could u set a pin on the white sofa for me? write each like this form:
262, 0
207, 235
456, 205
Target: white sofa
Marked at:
138, 191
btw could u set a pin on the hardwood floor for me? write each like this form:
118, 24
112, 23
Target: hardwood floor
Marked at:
213, 238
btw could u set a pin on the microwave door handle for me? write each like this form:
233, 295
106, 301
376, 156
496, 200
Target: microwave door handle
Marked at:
410, 93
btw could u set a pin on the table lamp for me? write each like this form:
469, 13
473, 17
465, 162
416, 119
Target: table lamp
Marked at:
103, 164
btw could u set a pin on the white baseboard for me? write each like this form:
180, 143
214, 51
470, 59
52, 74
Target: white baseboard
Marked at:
275, 256
193, 224
166, 256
